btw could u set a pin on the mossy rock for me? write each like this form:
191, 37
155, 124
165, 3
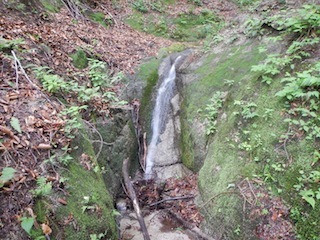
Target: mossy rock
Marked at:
89, 207
79, 59
222, 164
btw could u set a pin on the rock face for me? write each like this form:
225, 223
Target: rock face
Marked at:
119, 144
200, 80
167, 156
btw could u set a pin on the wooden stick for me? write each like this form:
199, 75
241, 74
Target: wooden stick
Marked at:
190, 226
17, 70
27, 77
171, 199
215, 196
134, 199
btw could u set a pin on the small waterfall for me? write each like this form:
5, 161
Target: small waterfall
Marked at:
159, 115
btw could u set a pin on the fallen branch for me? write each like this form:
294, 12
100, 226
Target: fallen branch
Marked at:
27, 77
141, 137
190, 226
171, 199
73, 9
17, 70
134, 199
217, 195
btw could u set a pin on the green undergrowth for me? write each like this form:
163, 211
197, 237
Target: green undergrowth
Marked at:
186, 27
27, 7
100, 17
246, 3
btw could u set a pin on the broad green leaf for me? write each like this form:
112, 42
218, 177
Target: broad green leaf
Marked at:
15, 124
308, 196
27, 223
7, 174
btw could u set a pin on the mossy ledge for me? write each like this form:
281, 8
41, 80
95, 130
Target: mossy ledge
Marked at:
85, 189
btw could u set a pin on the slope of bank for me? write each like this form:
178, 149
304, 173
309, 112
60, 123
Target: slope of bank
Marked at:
250, 123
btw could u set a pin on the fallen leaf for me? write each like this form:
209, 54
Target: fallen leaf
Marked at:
62, 201
46, 229
44, 146
7, 131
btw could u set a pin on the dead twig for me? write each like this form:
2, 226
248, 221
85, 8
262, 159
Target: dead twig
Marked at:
114, 20
171, 199
134, 199
17, 71
73, 9
255, 197
217, 195
144, 158
101, 138
189, 226
27, 77
141, 137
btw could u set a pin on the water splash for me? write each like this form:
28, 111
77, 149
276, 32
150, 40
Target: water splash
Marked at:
159, 116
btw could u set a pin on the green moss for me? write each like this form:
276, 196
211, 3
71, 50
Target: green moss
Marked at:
228, 160
225, 163
51, 5
187, 27
187, 145
80, 186
148, 72
80, 183
79, 59
100, 18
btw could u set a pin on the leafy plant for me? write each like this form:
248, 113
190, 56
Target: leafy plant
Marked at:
272, 66
8, 45
98, 236
211, 112
305, 189
43, 187
51, 82
248, 109
140, 6
253, 27
73, 123
306, 21
268, 114
88, 203
303, 85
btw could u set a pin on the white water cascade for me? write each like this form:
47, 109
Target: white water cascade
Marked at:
159, 116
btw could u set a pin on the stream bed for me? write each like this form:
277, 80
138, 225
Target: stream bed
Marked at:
160, 226
167, 190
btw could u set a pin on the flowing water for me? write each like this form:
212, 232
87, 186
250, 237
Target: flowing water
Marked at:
159, 116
